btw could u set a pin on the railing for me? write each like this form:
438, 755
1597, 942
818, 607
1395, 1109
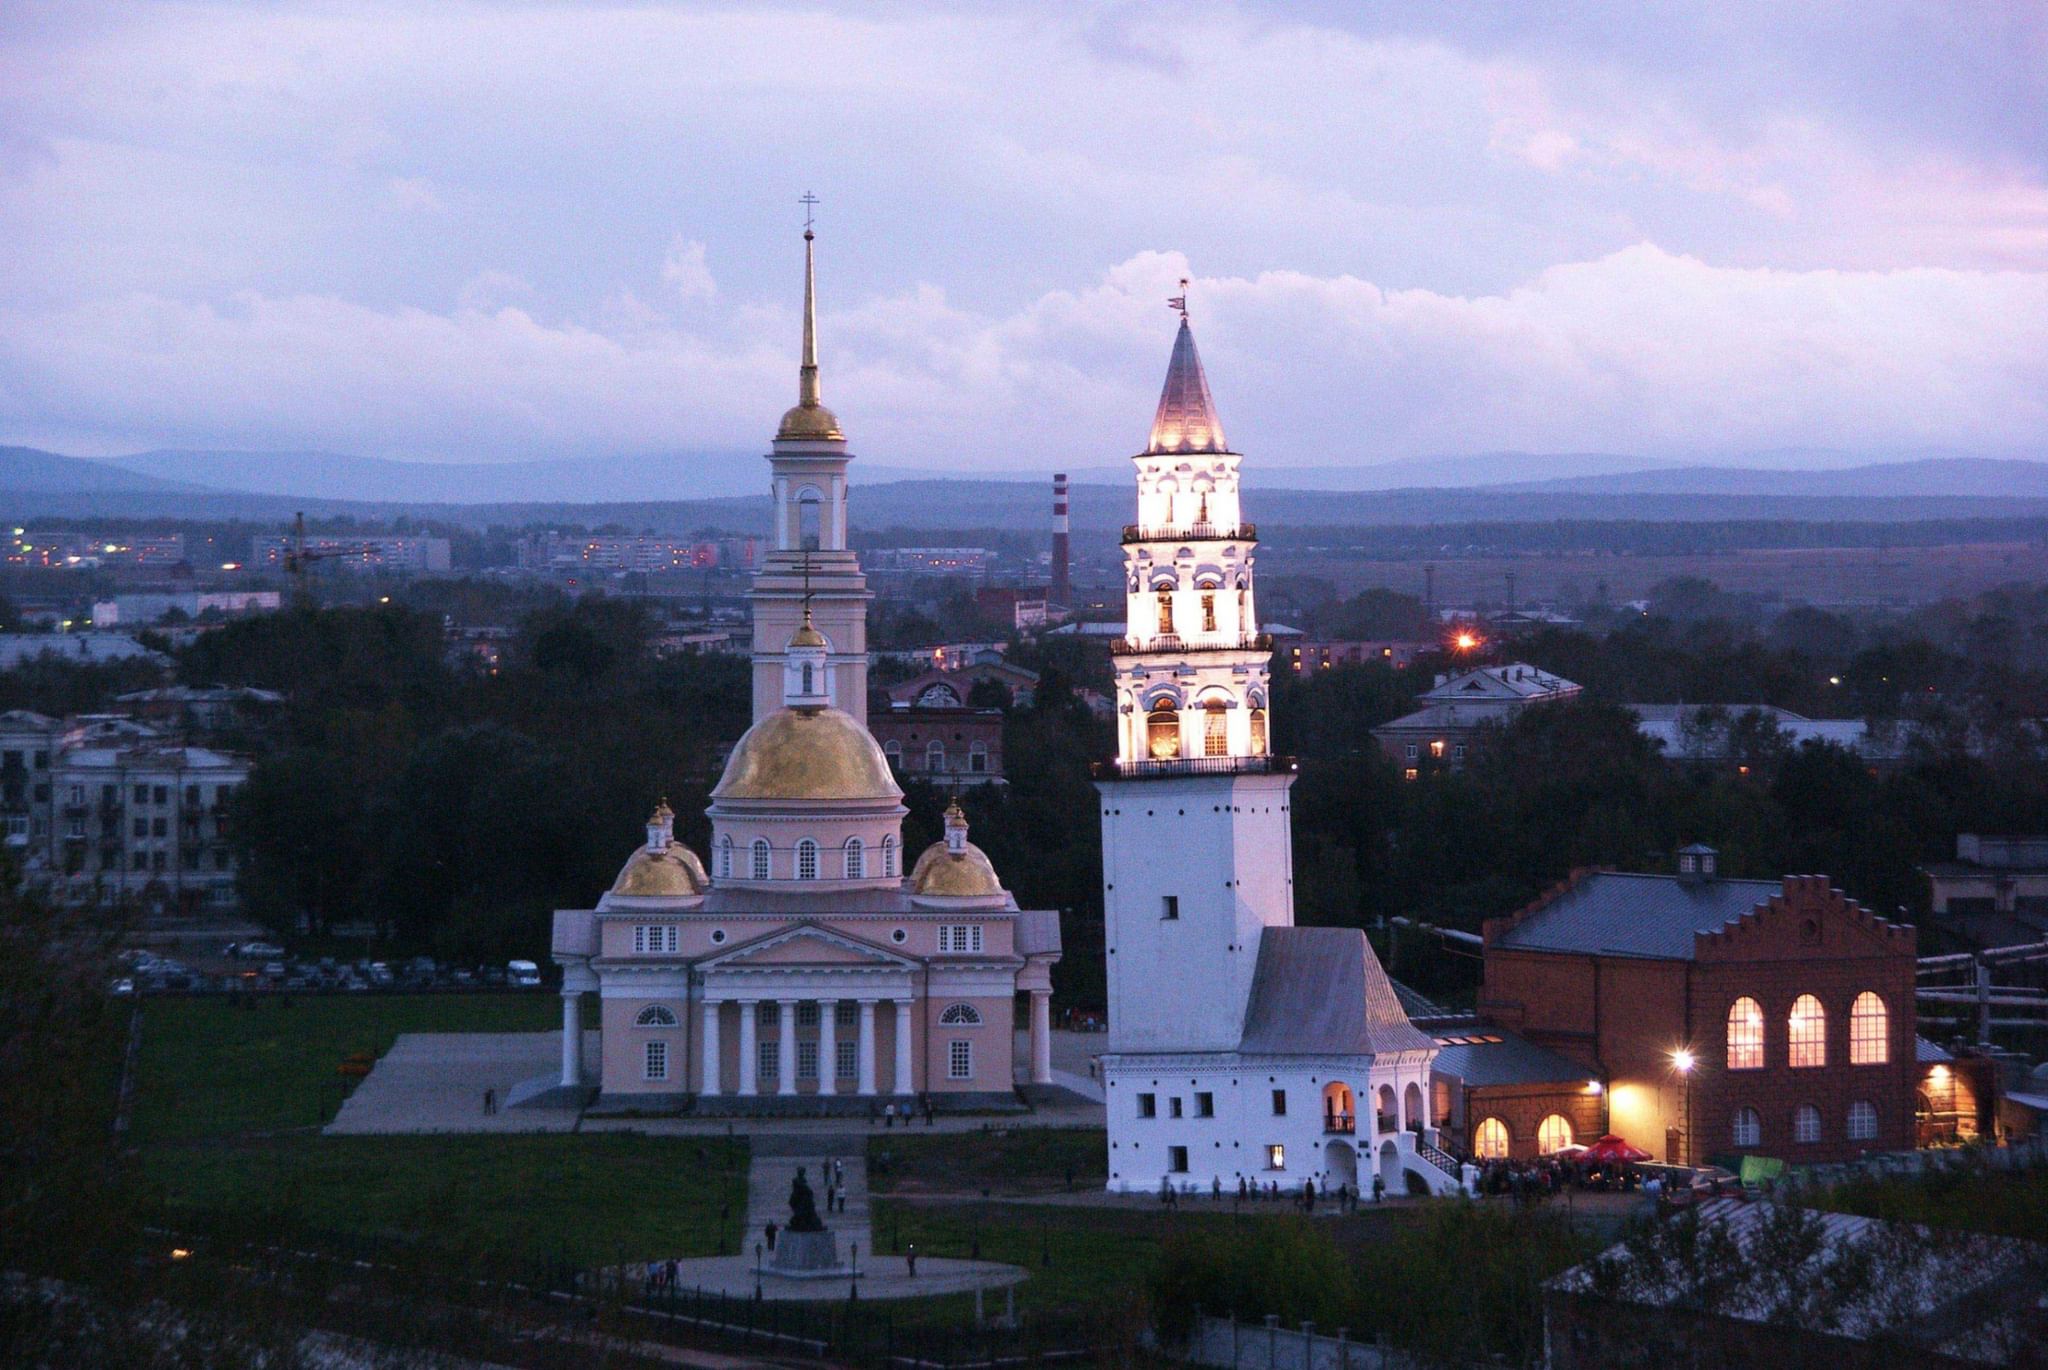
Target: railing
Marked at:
1192, 532
1194, 765
1439, 1158
1340, 1122
1192, 642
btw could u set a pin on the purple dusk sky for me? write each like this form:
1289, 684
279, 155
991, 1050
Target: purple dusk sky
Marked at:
482, 231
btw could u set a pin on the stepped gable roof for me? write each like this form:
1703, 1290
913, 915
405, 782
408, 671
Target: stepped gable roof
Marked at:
1321, 991
1186, 421
1612, 913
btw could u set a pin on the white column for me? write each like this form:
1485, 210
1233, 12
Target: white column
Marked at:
828, 1046
903, 1076
572, 1039
710, 1084
1041, 1037
866, 1046
785, 1049
750, 1056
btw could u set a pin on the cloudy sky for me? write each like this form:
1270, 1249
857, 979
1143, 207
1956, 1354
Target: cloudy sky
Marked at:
483, 231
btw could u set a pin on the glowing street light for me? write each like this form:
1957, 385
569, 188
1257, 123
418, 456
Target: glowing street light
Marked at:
1465, 642
1681, 1060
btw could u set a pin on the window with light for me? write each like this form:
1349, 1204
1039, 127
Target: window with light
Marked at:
1869, 1031
1258, 721
1553, 1134
1215, 731
1162, 733
1808, 1026
1276, 1157
1490, 1140
1745, 1035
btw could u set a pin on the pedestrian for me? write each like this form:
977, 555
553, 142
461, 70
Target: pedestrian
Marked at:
839, 1172
672, 1272
772, 1230
1379, 1188
910, 1259
1216, 1188
1308, 1195
888, 1115
490, 1102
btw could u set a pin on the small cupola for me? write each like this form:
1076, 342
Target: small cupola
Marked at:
806, 674
661, 827
956, 830
1697, 863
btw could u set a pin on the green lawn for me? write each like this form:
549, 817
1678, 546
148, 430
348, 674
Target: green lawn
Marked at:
1014, 1161
210, 1069
583, 1198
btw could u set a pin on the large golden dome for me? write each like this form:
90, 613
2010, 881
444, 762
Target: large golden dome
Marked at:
807, 754
940, 873
809, 422
674, 872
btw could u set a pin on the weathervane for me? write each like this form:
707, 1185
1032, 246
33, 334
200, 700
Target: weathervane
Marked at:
1180, 301
809, 202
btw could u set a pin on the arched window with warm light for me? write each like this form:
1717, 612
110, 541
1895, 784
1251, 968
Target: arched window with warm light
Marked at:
1162, 732
960, 1015
1808, 1026
1215, 730
1745, 1035
807, 860
1490, 1140
1165, 611
1208, 611
1806, 1124
1258, 722
655, 1016
856, 859
1553, 1134
1869, 1031
1863, 1121
1749, 1128
760, 858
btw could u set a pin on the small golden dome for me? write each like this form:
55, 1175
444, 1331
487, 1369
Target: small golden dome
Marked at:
807, 754
809, 423
939, 873
674, 872
807, 636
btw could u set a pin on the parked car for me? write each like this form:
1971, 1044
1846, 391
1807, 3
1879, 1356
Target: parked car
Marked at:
380, 975
124, 985
255, 951
524, 974
273, 970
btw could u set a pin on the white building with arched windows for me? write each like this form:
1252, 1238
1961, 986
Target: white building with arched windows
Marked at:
1242, 1049
811, 968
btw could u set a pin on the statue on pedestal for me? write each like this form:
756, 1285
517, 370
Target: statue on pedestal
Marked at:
803, 1206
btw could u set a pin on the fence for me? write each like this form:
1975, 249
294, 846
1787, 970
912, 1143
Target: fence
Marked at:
1269, 1346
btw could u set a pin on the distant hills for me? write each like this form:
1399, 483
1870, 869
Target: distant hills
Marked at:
682, 491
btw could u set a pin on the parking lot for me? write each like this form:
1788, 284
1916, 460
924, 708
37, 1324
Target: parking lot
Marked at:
263, 967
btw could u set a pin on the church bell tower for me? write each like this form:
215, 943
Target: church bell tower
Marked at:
1196, 836
808, 563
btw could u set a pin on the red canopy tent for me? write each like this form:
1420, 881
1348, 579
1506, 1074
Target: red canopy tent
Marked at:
1612, 1150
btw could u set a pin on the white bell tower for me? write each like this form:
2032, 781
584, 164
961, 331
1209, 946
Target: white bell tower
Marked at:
1197, 844
809, 572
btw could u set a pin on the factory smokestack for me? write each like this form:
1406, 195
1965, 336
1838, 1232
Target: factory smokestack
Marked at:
1060, 593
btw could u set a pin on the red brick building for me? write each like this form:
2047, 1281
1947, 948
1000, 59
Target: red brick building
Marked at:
1717, 1017
941, 746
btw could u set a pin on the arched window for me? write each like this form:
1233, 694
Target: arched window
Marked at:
1490, 1140
1869, 1031
725, 859
1258, 732
655, 1015
1389, 1119
977, 757
1215, 731
889, 855
1749, 1128
1553, 1134
1162, 732
856, 859
1745, 1035
760, 858
807, 860
960, 1015
1806, 1123
1809, 1032
935, 755
1863, 1121
1208, 611
893, 750
1165, 611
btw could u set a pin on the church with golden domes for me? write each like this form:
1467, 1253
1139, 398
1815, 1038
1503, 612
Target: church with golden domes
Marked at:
811, 968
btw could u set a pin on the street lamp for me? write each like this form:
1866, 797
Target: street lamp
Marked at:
1682, 1061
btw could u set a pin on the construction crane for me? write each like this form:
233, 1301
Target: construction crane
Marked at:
297, 558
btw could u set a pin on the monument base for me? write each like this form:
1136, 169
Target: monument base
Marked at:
807, 1256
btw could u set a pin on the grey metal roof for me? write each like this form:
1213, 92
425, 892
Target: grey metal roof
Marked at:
1927, 1053
1618, 914
1481, 1054
1414, 1002
1321, 991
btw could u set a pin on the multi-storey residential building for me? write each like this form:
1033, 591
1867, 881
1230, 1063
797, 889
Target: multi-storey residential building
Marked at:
406, 555
141, 822
28, 741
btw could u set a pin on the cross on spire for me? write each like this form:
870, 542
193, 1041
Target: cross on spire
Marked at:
810, 202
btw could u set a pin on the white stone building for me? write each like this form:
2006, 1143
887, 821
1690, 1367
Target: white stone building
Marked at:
1242, 1049
811, 969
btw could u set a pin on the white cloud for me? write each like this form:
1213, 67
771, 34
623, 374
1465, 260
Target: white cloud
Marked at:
411, 195
684, 272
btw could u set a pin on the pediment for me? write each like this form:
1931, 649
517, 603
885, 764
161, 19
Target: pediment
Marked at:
805, 945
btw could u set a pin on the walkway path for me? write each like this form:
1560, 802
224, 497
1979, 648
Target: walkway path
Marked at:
775, 1163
